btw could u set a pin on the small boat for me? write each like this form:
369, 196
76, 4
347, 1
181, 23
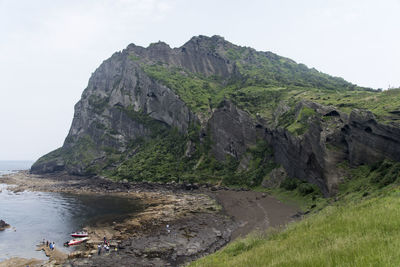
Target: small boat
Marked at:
77, 241
80, 234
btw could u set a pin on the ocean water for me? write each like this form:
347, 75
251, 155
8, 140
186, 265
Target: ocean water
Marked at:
52, 216
9, 166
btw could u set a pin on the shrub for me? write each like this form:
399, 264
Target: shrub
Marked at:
306, 188
385, 173
289, 184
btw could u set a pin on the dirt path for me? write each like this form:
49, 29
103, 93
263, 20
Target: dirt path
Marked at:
254, 210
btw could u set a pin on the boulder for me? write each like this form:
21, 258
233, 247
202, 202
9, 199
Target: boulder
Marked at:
3, 225
275, 178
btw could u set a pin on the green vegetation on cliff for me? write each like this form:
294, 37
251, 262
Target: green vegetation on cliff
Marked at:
198, 92
263, 80
266, 68
162, 159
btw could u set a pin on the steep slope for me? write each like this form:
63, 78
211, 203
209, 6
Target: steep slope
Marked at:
359, 232
213, 111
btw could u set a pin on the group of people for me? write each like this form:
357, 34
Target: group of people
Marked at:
51, 245
101, 246
105, 245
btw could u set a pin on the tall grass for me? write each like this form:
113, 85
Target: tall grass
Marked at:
349, 233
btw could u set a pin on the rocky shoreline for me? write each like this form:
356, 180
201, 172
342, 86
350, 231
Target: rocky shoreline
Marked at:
3, 225
198, 224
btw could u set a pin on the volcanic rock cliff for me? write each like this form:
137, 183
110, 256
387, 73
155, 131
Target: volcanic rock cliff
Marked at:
212, 111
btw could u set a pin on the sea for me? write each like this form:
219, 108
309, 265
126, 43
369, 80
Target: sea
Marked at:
9, 166
34, 216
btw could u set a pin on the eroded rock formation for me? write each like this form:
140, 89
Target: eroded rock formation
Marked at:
122, 103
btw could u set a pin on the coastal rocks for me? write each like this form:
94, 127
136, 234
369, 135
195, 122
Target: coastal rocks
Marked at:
16, 261
179, 223
55, 256
53, 165
187, 239
3, 225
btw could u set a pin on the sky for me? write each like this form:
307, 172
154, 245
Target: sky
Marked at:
49, 48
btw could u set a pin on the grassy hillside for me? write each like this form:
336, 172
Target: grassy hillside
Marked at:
360, 228
265, 80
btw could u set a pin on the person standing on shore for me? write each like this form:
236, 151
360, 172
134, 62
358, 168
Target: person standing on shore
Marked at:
98, 249
54, 245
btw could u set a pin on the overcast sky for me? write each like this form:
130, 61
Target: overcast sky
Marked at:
49, 48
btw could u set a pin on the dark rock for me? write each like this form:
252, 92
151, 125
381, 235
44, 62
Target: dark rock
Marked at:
275, 178
188, 239
297, 215
369, 141
233, 131
3, 225
190, 186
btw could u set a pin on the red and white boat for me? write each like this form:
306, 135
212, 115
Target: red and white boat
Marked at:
80, 234
77, 241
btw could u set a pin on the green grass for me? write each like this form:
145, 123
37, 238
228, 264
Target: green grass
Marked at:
348, 233
263, 80
309, 202
262, 96
383, 105
198, 92
358, 227
266, 68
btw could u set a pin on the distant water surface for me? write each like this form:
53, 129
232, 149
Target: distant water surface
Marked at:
53, 216
9, 166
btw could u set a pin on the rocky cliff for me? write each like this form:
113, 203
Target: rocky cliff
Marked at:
212, 111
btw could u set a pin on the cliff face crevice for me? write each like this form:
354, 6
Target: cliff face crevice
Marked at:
120, 82
232, 131
370, 141
122, 106
115, 110
202, 55
314, 156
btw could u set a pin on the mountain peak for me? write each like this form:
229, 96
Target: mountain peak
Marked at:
159, 45
206, 43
